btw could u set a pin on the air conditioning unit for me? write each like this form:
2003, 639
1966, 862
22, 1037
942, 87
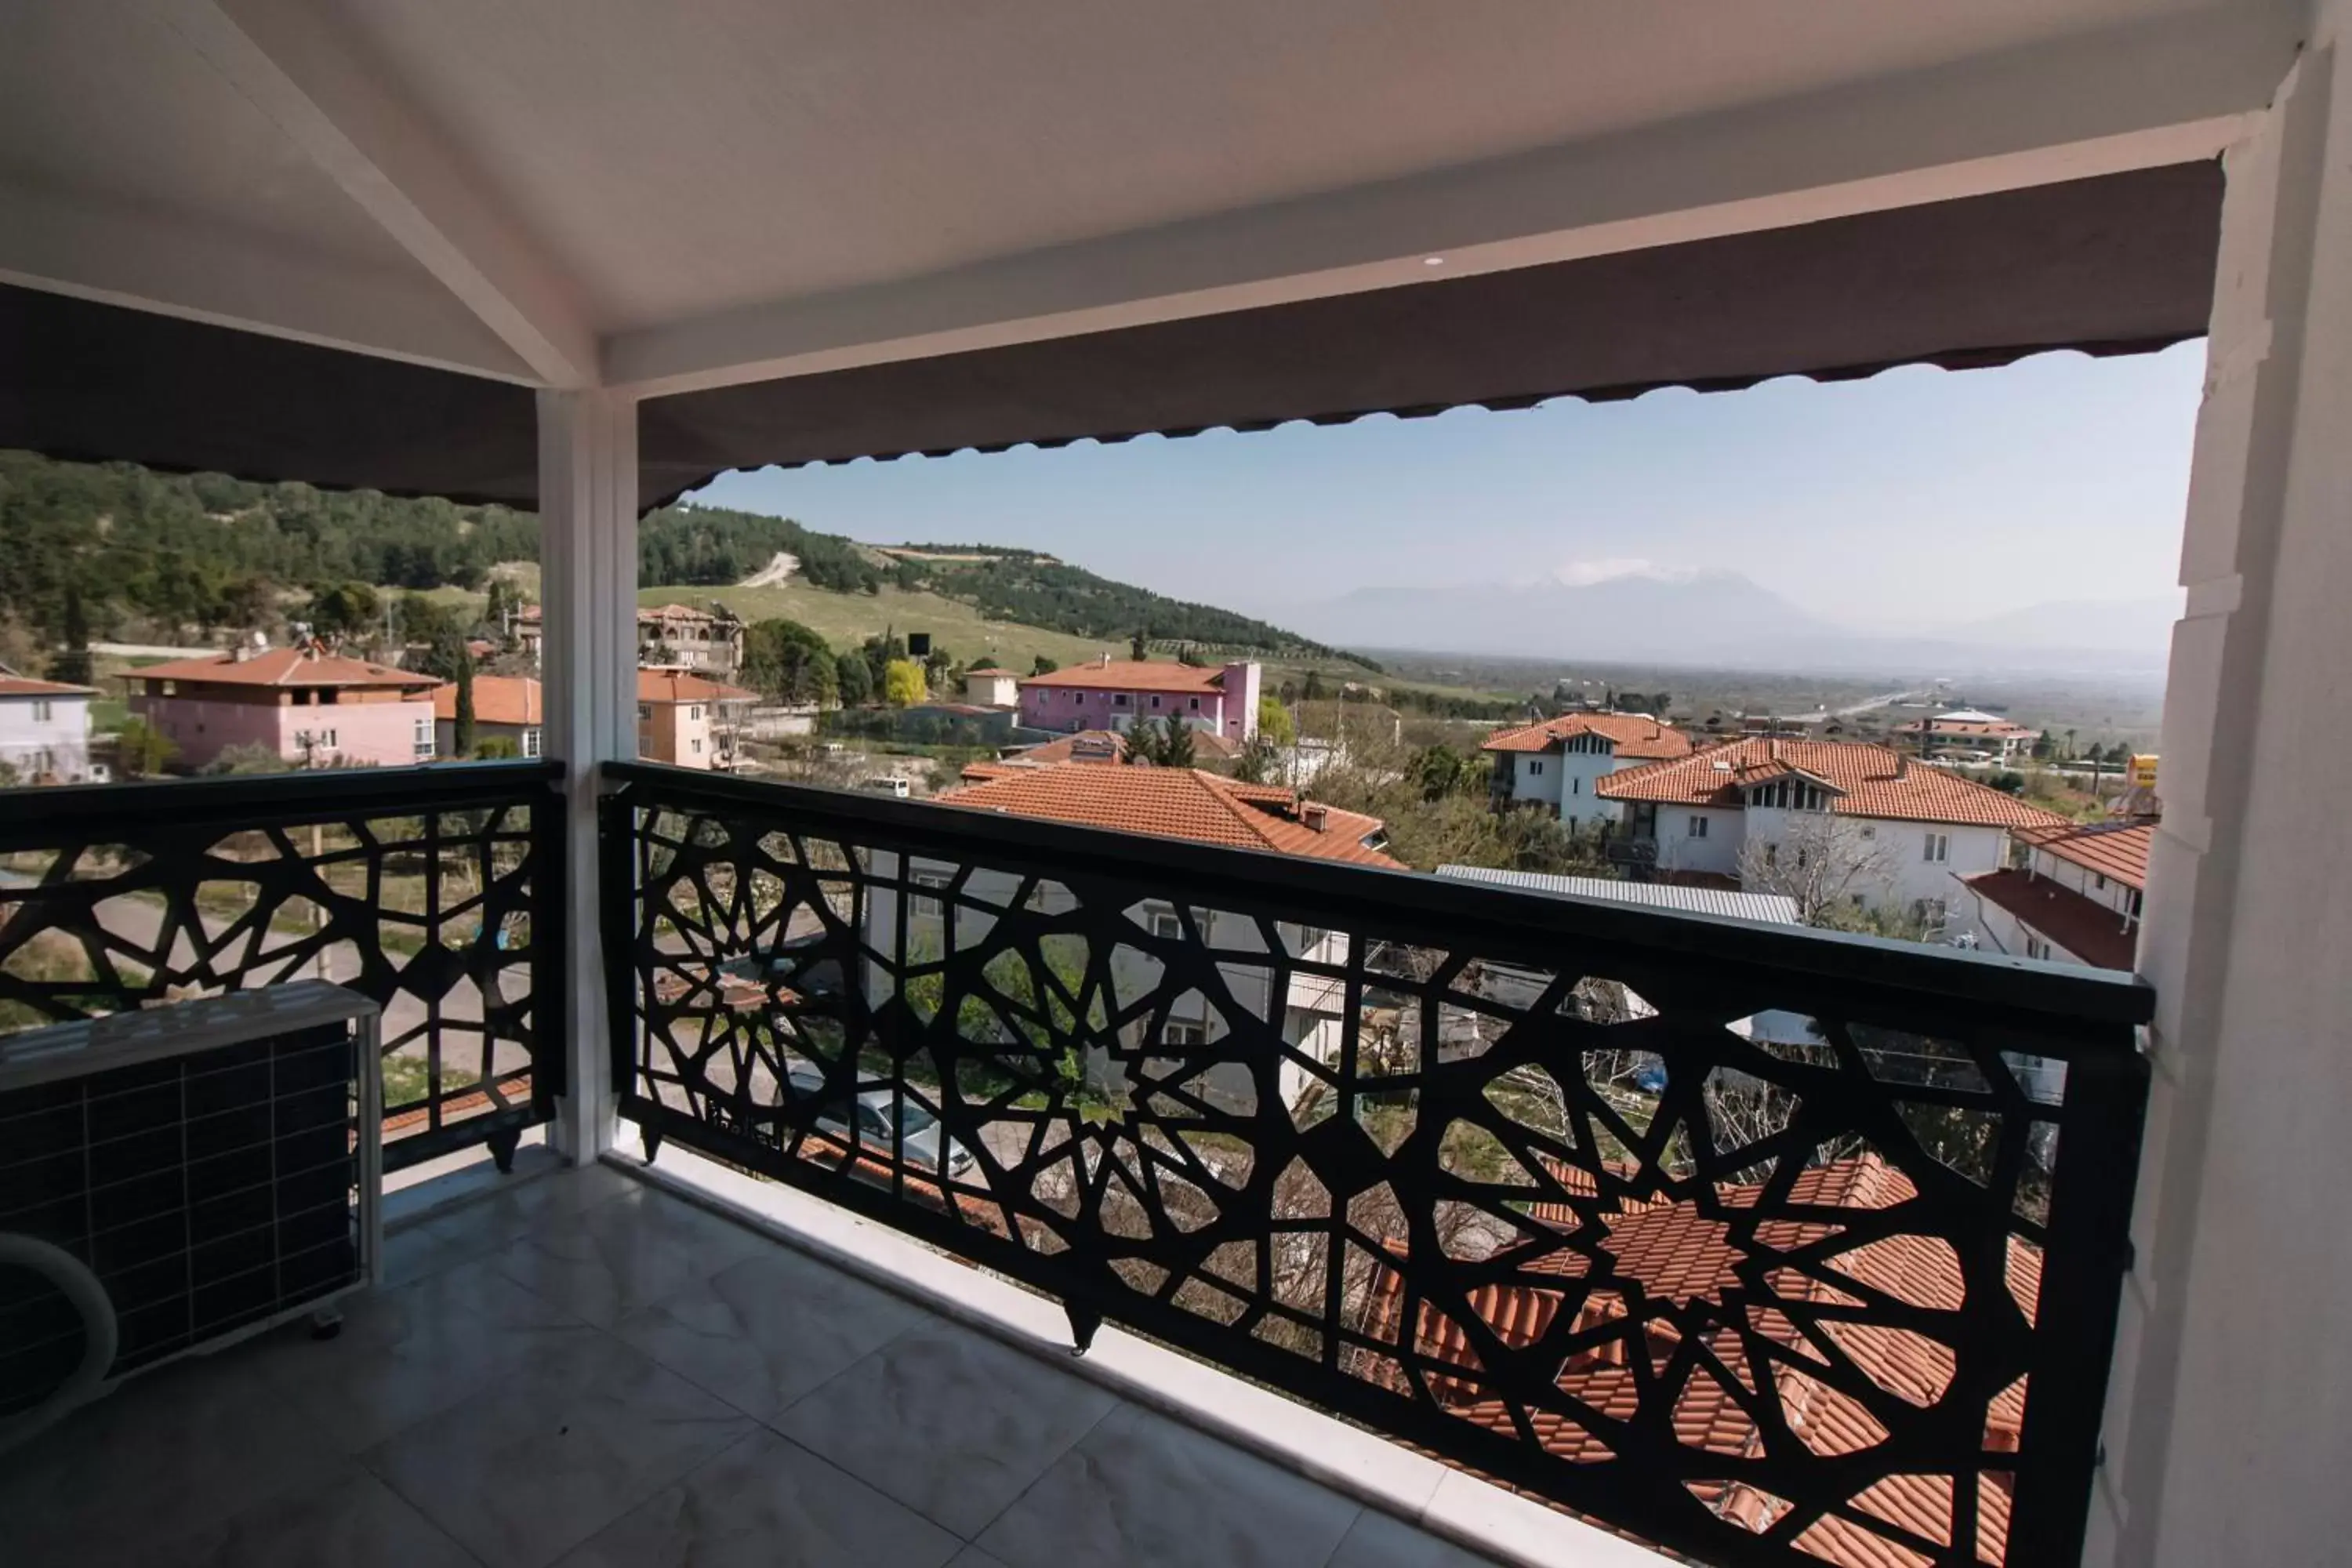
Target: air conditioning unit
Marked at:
177, 1179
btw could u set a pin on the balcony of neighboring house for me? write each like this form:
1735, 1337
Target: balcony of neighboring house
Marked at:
1160, 1201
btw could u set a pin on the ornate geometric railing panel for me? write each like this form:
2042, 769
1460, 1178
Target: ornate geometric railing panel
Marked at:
1765, 1244
430, 890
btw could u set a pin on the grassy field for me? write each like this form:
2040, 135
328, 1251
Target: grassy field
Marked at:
845, 620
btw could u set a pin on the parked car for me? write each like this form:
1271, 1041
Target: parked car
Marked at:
919, 1133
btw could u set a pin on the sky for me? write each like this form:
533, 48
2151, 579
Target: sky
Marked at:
1917, 494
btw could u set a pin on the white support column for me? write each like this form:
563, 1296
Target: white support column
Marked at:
588, 583
2230, 1415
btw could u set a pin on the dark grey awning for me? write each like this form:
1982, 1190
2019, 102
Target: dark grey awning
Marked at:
99, 383
2118, 264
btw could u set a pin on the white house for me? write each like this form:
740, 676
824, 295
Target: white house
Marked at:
45, 730
2077, 899
1831, 820
989, 686
1182, 803
1559, 764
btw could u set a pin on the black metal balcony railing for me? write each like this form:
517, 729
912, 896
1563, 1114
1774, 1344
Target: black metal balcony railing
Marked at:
433, 890
1766, 1245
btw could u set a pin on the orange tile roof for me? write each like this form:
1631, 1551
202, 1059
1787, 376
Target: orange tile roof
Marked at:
1169, 803
1133, 675
2117, 850
15, 685
986, 669
1670, 1250
674, 686
498, 700
1644, 740
1868, 780
2083, 926
288, 666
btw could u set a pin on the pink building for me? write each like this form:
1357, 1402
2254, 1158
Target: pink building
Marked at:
1113, 694
308, 707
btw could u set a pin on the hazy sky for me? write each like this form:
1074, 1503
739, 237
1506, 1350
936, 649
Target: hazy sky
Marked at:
1920, 494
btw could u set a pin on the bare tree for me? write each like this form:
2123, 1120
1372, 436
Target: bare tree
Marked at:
1824, 861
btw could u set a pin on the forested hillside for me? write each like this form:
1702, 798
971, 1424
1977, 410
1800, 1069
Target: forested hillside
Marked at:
150, 553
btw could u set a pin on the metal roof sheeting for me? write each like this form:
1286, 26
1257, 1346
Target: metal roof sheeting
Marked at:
1766, 909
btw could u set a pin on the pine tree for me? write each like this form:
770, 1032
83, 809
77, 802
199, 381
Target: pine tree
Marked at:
73, 665
461, 739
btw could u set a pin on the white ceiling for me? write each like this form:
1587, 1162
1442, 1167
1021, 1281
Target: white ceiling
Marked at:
653, 182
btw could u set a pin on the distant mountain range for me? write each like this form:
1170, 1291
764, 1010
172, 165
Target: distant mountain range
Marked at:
1715, 617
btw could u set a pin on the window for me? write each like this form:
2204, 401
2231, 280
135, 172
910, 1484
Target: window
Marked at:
923, 907
1119, 700
41, 713
1771, 854
1578, 787
1535, 766
530, 742
1175, 1033
697, 744
424, 737
2100, 879
644, 712
1155, 702
1196, 705
1698, 827
694, 711
1169, 924
2036, 948
1937, 847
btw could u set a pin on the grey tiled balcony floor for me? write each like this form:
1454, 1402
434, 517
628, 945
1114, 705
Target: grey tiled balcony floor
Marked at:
582, 1370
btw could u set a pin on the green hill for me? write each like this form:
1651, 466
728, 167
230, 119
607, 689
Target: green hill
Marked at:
174, 553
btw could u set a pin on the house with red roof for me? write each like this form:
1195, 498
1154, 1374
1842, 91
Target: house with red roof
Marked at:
2076, 899
306, 705
506, 708
45, 730
1832, 819
1556, 764
1968, 733
1118, 693
687, 721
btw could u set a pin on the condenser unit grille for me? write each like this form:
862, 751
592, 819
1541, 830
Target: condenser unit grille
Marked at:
207, 1191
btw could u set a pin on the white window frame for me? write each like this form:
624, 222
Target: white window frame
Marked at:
531, 739
42, 710
924, 907
1184, 1034
421, 732
1697, 827
1936, 848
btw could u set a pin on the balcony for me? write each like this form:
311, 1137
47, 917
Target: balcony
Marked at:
1527, 1195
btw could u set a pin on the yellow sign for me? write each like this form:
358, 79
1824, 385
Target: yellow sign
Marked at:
2143, 770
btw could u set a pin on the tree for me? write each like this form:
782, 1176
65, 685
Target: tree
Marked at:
143, 751
1830, 865
902, 683
1313, 691
1160, 743
461, 730
853, 679
73, 665
345, 609
1136, 643
1273, 721
246, 759
1041, 665
1188, 654
1259, 762
789, 662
